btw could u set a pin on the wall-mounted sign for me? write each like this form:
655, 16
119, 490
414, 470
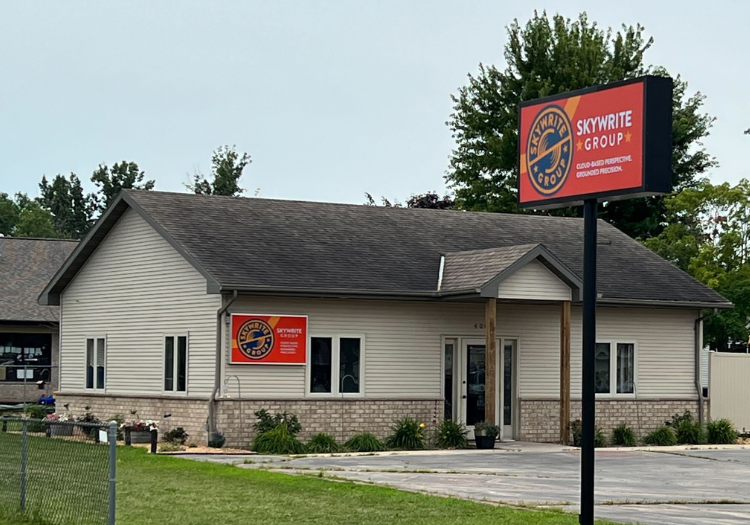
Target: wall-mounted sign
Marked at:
607, 143
269, 339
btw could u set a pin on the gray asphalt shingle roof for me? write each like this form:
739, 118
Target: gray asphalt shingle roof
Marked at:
473, 268
26, 266
252, 243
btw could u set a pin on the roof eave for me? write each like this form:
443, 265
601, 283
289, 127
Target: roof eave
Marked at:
700, 305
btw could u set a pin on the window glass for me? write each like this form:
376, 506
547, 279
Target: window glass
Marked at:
100, 363
625, 368
508, 388
321, 354
601, 375
448, 382
169, 364
25, 357
90, 363
181, 364
349, 365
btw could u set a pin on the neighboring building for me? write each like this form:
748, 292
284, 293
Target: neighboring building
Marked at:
28, 330
399, 304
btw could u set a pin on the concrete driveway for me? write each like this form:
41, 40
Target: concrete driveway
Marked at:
675, 486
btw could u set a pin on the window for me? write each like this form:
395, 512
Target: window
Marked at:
96, 351
615, 373
175, 363
336, 365
25, 356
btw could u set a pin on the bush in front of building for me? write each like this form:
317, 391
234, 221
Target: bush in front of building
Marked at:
451, 434
267, 422
278, 441
688, 431
364, 442
176, 436
408, 434
662, 437
623, 436
576, 428
217, 440
35, 412
323, 444
721, 432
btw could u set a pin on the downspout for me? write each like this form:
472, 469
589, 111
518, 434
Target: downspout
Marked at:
217, 373
698, 328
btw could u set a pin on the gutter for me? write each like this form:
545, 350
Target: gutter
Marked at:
217, 372
698, 328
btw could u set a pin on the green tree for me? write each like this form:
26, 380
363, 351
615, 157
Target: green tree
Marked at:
709, 237
35, 221
545, 57
70, 207
122, 176
226, 171
9, 212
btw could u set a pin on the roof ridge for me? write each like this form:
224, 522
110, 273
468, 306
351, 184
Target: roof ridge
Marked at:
9, 237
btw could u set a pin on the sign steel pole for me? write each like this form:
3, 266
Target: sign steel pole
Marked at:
588, 391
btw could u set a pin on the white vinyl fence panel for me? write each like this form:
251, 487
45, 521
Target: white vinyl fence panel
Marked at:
729, 388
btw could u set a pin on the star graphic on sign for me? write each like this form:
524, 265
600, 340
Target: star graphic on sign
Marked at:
627, 136
579, 145
536, 169
565, 148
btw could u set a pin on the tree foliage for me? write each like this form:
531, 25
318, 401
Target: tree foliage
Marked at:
226, 171
9, 212
545, 57
35, 221
431, 199
110, 181
708, 236
71, 209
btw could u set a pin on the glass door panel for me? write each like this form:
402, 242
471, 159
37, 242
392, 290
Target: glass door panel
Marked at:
475, 386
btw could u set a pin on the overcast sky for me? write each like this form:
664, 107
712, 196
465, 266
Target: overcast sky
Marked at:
331, 99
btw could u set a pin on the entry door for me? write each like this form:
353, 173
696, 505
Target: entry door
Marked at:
473, 385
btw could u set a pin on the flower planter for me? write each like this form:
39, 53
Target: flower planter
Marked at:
64, 429
140, 437
484, 442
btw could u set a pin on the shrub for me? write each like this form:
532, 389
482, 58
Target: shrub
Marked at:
600, 440
267, 422
408, 434
364, 442
278, 441
217, 440
623, 436
576, 428
178, 436
721, 432
686, 429
451, 434
120, 420
485, 428
323, 444
35, 412
88, 417
662, 437
169, 447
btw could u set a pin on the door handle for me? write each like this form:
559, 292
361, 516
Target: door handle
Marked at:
463, 396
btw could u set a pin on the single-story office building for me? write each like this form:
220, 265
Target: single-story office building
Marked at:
209, 308
28, 330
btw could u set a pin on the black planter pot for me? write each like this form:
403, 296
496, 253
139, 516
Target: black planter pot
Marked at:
484, 442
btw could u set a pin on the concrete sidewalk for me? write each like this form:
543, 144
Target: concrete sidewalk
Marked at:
674, 486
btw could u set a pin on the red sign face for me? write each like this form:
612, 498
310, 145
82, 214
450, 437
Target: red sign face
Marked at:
269, 339
590, 144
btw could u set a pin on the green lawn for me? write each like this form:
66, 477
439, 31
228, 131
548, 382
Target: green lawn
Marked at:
173, 491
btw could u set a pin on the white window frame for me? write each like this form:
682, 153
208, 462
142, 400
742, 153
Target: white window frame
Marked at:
613, 368
173, 392
336, 365
95, 338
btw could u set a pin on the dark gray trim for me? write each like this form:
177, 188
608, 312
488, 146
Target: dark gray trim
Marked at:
51, 294
491, 287
605, 301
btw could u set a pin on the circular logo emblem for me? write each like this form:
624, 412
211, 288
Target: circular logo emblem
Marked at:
549, 150
255, 339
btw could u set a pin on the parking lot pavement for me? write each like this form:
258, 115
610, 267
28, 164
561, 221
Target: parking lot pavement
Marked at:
678, 487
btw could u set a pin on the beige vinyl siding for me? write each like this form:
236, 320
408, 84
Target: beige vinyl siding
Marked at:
665, 360
135, 289
534, 281
403, 351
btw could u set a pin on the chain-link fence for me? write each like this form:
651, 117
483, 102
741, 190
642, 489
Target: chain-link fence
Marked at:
62, 472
